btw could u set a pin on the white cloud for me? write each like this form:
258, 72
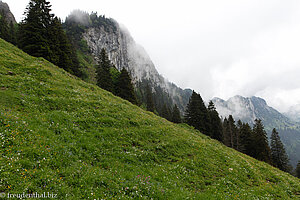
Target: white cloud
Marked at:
219, 48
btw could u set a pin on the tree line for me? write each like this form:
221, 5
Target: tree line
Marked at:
240, 136
120, 84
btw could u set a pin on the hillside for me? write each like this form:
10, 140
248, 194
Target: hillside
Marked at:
61, 135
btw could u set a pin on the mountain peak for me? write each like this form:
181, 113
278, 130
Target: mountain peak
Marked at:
258, 100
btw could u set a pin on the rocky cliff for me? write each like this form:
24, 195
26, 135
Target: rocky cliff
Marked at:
124, 52
6, 11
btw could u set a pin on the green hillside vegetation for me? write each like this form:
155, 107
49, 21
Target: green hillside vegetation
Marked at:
62, 135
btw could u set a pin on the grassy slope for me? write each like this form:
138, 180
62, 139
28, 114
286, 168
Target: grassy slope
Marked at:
59, 134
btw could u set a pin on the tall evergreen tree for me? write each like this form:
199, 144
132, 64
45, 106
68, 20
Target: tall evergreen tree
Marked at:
245, 139
166, 112
278, 153
104, 79
215, 122
239, 145
33, 33
229, 132
196, 114
12, 33
41, 35
176, 118
261, 149
125, 87
4, 29
298, 169
149, 99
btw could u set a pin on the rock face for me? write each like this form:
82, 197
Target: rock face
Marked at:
124, 52
8, 14
247, 109
251, 108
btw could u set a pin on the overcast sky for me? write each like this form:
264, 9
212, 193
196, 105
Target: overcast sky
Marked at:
216, 47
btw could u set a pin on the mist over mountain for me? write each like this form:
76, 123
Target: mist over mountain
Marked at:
247, 109
293, 113
100, 32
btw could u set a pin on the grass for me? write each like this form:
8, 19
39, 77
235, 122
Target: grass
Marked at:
61, 135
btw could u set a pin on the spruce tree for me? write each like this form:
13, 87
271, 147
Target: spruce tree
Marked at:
104, 79
12, 33
260, 141
4, 29
278, 153
149, 99
298, 169
34, 29
166, 112
176, 118
63, 54
245, 139
125, 87
196, 114
229, 132
41, 35
215, 122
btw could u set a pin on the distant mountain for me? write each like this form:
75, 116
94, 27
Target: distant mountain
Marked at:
247, 109
99, 32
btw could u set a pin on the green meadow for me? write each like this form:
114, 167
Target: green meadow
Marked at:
61, 135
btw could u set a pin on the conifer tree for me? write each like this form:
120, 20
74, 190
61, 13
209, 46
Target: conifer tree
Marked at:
278, 153
260, 141
229, 132
125, 87
176, 118
104, 79
245, 139
215, 122
34, 35
298, 169
4, 29
41, 35
63, 54
12, 33
166, 113
196, 114
149, 99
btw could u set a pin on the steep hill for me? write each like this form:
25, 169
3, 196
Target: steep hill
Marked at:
64, 136
247, 109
